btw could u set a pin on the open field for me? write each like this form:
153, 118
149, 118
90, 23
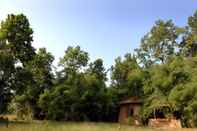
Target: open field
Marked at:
68, 126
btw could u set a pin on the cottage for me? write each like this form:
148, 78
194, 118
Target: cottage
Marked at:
129, 111
162, 120
130, 114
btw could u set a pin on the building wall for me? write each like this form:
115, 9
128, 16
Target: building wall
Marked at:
123, 114
125, 111
136, 110
168, 123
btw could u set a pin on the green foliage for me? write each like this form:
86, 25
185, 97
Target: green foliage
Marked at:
17, 34
171, 88
162, 73
6, 69
158, 44
39, 77
184, 93
188, 44
74, 58
15, 49
81, 94
127, 77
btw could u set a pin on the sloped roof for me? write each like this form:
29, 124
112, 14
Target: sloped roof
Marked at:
131, 100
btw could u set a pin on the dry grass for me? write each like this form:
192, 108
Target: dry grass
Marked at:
9, 117
65, 126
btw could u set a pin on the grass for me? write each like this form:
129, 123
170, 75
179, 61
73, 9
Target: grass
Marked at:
69, 126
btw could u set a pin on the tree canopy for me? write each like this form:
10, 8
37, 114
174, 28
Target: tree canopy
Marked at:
161, 72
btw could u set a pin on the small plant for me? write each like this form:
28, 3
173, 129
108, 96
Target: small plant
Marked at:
131, 121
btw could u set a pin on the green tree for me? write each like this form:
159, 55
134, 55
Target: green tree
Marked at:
18, 36
94, 98
33, 79
184, 92
15, 48
171, 89
65, 95
189, 39
156, 89
158, 44
74, 59
127, 77
81, 93
127, 81
6, 69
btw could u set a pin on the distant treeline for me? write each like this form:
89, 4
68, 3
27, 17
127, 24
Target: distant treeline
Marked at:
162, 72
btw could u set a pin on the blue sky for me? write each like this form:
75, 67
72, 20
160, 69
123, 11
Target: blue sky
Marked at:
105, 28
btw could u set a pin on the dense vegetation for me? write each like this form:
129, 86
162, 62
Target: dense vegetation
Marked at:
162, 72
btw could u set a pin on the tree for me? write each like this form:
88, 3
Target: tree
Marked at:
82, 94
6, 69
127, 81
33, 79
162, 72
65, 96
17, 34
15, 48
189, 39
158, 44
156, 89
95, 100
74, 59
183, 95
96, 68
171, 89
127, 77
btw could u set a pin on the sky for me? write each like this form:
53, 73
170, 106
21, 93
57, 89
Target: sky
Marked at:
104, 28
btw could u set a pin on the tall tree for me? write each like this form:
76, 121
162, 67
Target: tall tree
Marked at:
158, 44
94, 99
15, 48
74, 59
6, 74
18, 35
65, 102
184, 93
127, 77
33, 79
189, 41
